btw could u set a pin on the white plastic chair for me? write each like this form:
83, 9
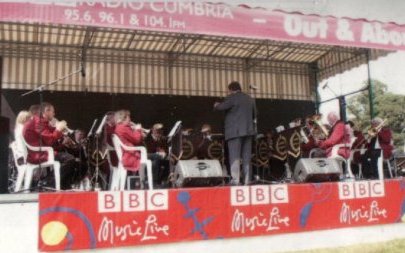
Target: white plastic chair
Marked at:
30, 167
21, 168
362, 151
335, 154
120, 174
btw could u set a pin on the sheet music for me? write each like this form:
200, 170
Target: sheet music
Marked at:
174, 130
100, 127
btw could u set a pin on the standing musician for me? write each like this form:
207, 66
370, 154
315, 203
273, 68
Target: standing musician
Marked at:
339, 134
383, 134
38, 131
130, 134
156, 145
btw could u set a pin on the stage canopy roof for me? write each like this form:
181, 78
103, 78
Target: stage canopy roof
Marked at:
182, 28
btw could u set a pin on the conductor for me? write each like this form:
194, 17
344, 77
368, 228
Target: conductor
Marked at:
240, 127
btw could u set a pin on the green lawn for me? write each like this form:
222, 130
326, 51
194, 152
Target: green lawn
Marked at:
395, 246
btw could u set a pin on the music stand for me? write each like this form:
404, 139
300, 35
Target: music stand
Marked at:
175, 143
97, 169
40, 90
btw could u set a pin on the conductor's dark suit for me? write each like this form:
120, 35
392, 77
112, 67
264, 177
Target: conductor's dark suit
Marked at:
240, 127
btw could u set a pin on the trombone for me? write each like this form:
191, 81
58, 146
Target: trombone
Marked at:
373, 131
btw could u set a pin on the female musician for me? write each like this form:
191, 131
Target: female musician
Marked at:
130, 134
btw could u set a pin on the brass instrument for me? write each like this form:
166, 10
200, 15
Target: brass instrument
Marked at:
66, 130
373, 131
135, 126
318, 131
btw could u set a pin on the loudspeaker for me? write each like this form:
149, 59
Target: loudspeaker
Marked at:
317, 170
198, 173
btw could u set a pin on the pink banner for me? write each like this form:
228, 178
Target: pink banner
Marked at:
113, 219
211, 19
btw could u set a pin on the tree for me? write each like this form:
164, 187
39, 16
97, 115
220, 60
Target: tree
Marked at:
387, 105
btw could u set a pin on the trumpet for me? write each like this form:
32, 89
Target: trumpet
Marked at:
65, 130
373, 131
135, 126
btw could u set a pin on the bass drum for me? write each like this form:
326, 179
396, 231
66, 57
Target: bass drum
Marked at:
188, 149
215, 150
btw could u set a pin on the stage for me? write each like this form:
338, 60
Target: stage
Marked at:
95, 220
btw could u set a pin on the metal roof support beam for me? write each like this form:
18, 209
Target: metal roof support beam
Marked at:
268, 57
131, 40
370, 85
212, 51
176, 55
86, 42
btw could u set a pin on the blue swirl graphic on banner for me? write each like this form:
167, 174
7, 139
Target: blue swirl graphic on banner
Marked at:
304, 214
184, 199
320, 194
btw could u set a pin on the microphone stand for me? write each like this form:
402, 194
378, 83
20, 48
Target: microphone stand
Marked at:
40, 90
257, 178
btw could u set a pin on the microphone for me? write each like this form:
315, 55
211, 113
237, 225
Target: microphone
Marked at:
325, 85
82, 69
253, 87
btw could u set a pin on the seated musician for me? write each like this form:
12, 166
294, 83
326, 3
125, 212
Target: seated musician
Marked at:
203, 141
359, 143
130, 134
39, 131
383, 134
156, 145
308, 141
76, 146
338, 134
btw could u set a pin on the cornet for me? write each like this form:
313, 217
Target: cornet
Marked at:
65, 130
135, 126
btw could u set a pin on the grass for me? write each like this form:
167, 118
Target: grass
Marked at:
394, 246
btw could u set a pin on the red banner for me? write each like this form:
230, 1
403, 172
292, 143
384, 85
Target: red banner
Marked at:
211, 19
113, 219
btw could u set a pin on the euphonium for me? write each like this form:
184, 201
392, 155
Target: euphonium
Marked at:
317, 120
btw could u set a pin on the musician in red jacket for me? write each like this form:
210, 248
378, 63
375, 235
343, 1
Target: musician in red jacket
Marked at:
384, 135
130, 134
39, 131
339, 134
